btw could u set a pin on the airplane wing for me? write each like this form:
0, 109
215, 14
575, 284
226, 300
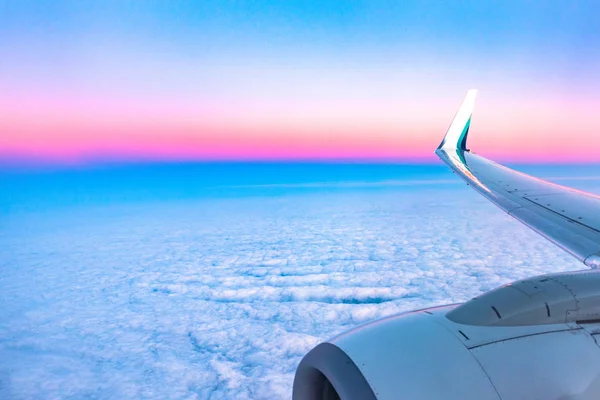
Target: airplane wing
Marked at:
568, 217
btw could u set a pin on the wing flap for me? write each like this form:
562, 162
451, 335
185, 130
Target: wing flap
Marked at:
569, 218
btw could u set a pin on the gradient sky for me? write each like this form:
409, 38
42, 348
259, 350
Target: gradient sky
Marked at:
86, 81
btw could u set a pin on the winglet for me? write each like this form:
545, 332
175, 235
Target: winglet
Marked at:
456, 137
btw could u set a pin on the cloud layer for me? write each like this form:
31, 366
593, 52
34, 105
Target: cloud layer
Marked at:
221, 298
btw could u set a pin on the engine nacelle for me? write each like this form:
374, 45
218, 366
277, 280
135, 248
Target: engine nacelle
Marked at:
467, 352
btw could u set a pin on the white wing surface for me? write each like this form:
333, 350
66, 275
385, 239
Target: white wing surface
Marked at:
568, 217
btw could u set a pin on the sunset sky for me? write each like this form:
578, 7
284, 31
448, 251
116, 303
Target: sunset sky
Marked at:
87, 82
193, 194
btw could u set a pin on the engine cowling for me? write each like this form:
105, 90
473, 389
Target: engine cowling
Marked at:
453, 352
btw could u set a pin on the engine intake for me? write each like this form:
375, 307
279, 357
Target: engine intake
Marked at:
327, 373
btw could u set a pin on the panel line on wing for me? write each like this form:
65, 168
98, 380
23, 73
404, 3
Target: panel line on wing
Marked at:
562, 215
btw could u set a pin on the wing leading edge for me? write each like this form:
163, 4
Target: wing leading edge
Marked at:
568, 217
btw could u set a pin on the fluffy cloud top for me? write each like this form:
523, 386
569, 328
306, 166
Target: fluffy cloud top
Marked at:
221, 298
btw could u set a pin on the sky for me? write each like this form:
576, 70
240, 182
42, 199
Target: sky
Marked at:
101, 81
219, 186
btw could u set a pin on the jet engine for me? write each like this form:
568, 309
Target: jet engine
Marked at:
532, 339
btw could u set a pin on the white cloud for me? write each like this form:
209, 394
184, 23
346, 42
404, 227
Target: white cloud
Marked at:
220, 298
